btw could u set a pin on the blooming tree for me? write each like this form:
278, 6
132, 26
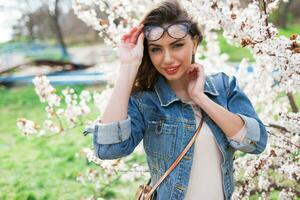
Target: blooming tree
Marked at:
271, 86
61, 117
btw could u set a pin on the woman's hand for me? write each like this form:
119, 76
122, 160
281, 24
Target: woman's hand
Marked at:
196, 80
131, 48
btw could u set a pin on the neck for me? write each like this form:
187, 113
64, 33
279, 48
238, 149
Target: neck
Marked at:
180, 87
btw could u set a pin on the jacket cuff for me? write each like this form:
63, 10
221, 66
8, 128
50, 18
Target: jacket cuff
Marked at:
110, 133
240, 135
252, 135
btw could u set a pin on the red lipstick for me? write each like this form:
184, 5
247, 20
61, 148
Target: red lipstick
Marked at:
171, 70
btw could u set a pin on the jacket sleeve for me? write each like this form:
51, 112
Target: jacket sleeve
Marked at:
118, 139
255, 139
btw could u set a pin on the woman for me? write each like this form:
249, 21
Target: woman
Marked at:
158, 97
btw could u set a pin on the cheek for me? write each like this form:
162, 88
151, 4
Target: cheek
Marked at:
156, 58
184, 56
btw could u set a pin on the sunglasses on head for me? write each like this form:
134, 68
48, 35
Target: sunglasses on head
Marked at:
175, 30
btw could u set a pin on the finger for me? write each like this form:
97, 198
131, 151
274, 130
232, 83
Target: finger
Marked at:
191, 68
130, 36
197, 68
135, 35
140, 38
192, 76
127, 35
124, 36
132, 30
126, 39
123, 39
201, 70
200, 67
192, 73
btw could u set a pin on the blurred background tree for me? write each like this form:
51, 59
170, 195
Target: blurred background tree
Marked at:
286, 14
54, 19
51, 20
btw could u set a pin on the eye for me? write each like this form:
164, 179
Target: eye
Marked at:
155, 50
178, 45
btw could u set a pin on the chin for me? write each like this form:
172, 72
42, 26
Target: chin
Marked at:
173, 77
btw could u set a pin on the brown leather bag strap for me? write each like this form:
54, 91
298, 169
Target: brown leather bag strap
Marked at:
175, 163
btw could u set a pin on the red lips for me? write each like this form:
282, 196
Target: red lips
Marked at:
171, 69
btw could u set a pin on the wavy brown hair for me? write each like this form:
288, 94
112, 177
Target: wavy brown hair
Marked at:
166, 12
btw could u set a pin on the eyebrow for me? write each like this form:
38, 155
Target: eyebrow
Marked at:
160, 45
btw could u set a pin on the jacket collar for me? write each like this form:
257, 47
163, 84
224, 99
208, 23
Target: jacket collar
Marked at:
166, 95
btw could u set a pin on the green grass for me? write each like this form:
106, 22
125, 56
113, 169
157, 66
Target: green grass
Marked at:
236, 54
293, 29
32, 167
297, 97
38, 167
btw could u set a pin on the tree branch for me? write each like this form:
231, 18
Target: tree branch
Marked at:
292, 102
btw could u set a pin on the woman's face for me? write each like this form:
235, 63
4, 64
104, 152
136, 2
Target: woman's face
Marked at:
172, 57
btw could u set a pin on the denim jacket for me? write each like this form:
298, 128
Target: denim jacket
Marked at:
166, 125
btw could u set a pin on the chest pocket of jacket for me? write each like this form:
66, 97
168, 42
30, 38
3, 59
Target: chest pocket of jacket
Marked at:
160, 138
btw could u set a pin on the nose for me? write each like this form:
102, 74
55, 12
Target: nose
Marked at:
168, 58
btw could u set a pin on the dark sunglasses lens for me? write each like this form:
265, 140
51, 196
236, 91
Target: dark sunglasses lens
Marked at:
153, 32
178, 30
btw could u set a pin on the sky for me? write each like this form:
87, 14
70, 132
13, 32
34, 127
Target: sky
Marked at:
8, 17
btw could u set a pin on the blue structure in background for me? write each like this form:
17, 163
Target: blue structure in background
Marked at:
34, 50
43, 51
59, 78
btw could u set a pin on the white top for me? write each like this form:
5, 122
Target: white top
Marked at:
206, 175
